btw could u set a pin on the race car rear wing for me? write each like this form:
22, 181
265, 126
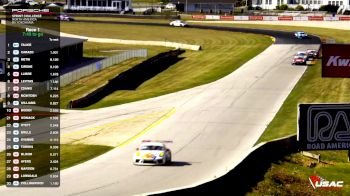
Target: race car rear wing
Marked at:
161, 141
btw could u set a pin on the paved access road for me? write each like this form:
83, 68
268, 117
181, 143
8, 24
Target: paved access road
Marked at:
214, 127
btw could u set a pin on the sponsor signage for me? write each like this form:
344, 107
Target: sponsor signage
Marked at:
317, 182
226, 17
271, 18
324, 127
317, 18
344, 17
198, 16
336, 60
241, 17
212, 17
256, 17
331, 18
284, 18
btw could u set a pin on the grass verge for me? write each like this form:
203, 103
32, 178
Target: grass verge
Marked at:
164, 21
87, 84
2, 122
290, 176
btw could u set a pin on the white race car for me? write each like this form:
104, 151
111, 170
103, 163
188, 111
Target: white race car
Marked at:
178, 23
300, 35
152, 153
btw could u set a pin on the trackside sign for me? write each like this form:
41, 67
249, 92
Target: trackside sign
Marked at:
324, 127
336, 60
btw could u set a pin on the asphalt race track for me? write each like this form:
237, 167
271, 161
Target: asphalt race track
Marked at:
214, 128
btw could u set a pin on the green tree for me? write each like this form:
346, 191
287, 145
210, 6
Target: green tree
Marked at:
299, 8
329, 8
284, 7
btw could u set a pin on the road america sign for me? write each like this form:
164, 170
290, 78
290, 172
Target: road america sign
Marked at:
324, 127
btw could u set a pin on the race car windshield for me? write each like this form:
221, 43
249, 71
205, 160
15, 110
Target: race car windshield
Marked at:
151, 148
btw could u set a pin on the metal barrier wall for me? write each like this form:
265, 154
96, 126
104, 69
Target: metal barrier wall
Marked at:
100, 65
42, 87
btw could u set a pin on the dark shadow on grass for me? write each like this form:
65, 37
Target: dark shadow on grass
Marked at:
248, 173
132, 78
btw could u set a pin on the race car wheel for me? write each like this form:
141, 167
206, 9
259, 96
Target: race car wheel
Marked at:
168, 161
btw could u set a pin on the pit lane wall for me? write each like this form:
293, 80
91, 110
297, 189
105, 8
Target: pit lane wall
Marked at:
270, 18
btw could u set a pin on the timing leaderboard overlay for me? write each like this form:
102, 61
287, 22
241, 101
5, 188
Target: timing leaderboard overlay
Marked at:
32, 99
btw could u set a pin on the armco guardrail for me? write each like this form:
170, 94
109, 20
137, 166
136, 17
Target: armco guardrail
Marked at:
271, 18
42, 87
100, 65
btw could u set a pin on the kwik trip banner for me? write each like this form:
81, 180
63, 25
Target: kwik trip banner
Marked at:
324, 127
336, 60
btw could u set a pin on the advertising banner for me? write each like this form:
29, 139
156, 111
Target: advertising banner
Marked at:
198, 17
270, 18
300, 18
324, 127
256, 17
285, 18
315, 18
331, 18
241, 18
212, 17
344, 17
226, 17
336, 60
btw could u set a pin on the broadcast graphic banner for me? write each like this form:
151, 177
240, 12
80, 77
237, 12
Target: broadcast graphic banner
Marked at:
336, 60
324, 127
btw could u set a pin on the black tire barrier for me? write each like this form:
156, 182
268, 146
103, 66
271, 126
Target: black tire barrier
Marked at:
248, 173
114, 15
132, 78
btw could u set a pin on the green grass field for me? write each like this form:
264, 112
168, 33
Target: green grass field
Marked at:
89, 83
164, 21
290, 176
220, 55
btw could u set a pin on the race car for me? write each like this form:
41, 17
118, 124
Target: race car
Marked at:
178, 23
311, 54
300, 35
302, 54
64, 17
152, 153
299, 60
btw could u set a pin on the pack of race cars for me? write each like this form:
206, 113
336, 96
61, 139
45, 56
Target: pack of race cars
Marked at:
307, 57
